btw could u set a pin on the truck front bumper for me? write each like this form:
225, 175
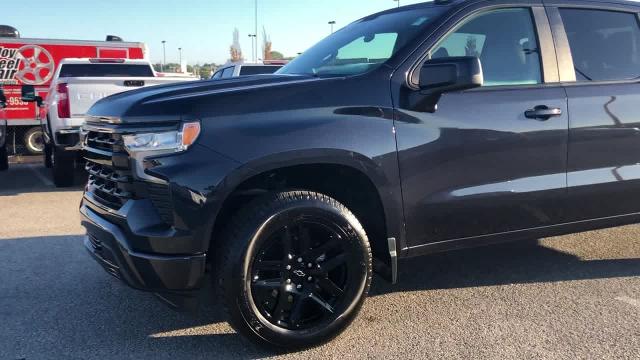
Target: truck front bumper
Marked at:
110, 242
68, 139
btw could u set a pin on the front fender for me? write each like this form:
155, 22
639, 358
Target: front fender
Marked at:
202, 180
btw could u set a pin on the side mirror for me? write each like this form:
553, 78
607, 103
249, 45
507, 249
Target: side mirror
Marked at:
29, 94
443, 75
3, 99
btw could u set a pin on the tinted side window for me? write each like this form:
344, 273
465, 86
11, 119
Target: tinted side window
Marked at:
604, 44
505, 41
256, 70
228, 72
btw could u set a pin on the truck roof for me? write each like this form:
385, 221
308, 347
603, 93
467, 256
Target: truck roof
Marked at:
104, 61
258, 64
39, 41
247, 64
596, 2
463, 2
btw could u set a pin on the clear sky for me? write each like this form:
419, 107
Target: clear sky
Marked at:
203, 28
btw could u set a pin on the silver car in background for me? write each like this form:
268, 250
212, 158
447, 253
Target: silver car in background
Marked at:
245, 69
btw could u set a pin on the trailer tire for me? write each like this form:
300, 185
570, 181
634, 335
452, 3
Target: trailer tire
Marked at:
63, 167
4, 158
34, 140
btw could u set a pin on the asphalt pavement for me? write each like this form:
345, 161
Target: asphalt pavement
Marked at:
568, 297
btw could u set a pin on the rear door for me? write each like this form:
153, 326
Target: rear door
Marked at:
479, 166
600, 48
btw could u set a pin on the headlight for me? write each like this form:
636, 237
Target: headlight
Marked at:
173, 141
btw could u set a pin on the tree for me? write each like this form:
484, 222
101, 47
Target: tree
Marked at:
170, 67
266, 45
276, 55
235, 49
204, 71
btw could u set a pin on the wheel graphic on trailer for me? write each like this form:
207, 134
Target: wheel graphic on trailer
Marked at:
36, 65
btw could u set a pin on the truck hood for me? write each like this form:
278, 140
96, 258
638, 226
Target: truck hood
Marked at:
173, 101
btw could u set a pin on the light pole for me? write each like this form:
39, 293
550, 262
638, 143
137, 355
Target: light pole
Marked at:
164, 55
255, 33
180, 63
253, 54
398, 1
332, 23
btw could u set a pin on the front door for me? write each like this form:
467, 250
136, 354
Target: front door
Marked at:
487, 161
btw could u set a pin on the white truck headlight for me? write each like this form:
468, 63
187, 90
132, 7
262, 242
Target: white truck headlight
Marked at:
169, 141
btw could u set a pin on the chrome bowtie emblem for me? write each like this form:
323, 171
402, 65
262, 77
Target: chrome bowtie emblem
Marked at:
299, 273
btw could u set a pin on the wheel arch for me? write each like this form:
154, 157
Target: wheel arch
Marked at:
377, 203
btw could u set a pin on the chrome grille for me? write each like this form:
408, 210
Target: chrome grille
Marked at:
105, 141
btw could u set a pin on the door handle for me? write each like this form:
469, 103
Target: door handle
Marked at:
542, 112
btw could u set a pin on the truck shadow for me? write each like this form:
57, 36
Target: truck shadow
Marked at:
52, 291
34, 178
503, 264
56, 300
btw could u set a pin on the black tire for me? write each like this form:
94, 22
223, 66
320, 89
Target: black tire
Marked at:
34, 140
63, 167
336, 252
4, 158
48, 155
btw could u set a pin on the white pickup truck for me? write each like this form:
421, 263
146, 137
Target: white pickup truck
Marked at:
76, 86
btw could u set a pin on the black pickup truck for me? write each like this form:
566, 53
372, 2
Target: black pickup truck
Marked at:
421, 129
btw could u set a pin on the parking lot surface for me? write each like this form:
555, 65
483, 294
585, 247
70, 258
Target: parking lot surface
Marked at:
569, 297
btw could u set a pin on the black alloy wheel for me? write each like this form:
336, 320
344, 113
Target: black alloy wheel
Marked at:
301, 274
296, 270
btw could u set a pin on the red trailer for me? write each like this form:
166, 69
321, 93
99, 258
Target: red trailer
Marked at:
33, 62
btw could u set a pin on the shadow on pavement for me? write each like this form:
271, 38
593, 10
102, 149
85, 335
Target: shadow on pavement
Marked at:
54, 300
503, 264
32, 178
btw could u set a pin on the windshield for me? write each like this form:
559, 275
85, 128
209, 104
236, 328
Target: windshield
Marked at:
364, 45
